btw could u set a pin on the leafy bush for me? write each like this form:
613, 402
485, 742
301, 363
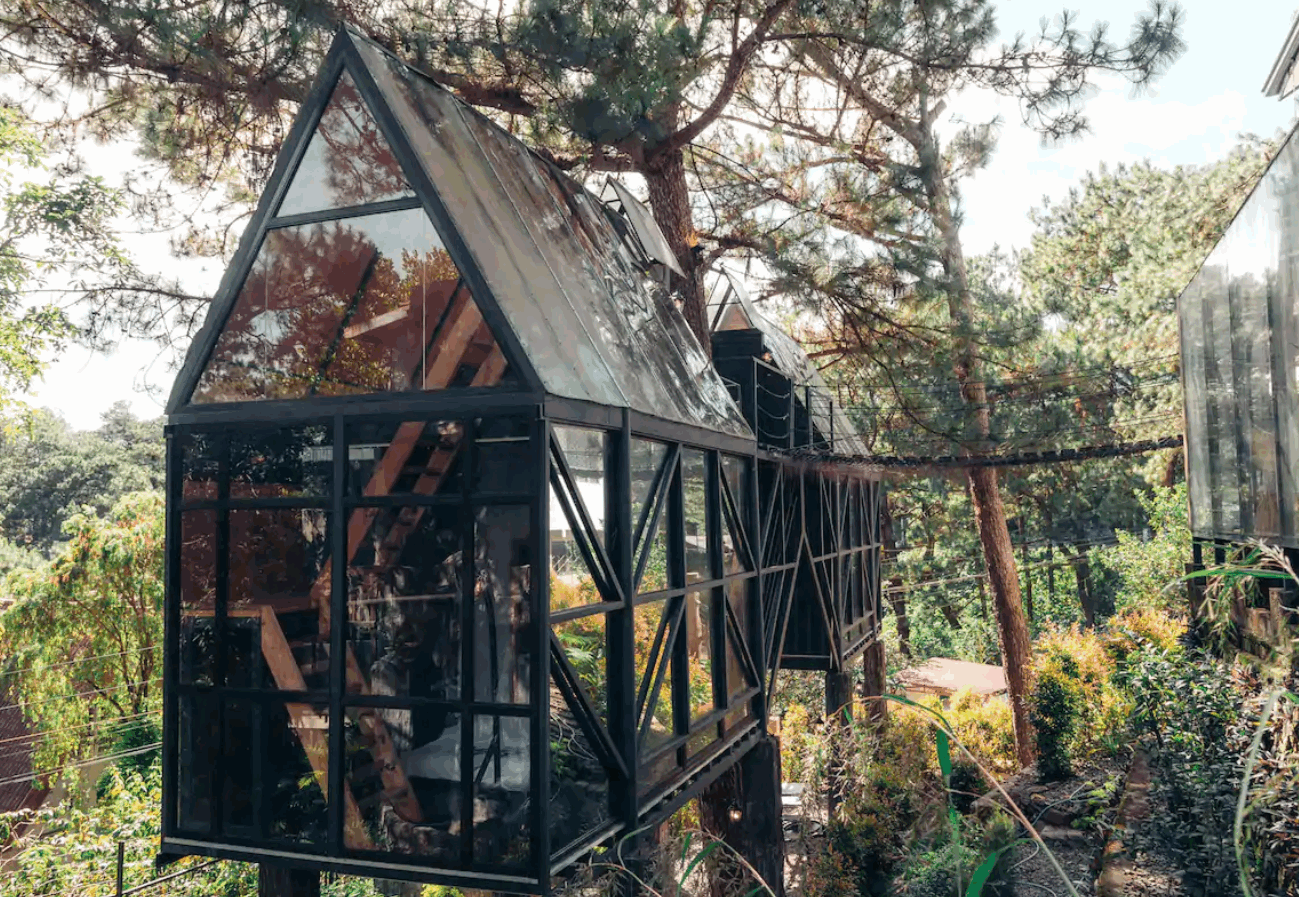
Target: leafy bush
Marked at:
986, 728
1189, 712
1144, 568
1054, 704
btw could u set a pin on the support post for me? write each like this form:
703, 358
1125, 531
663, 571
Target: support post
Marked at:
874, 670
838, 711
750, 820
281, 881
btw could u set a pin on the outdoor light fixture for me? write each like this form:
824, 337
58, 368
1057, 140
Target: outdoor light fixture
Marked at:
736, 813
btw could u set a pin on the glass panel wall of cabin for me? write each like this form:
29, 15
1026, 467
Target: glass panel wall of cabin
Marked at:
326, 576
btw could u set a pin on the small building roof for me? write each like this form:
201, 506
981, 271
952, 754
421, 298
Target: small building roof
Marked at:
16, 791
945, 676
1284, 76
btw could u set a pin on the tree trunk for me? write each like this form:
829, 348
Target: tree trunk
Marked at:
1083, 576
281, 881
669, 196
989, 513
742, 808
897, 597
874, 666
990, 517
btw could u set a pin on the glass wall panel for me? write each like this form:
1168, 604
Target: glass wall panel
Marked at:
700, 621
695, 497
579, 781
347, 163
502, 783
199, 737
1193, 357
359, 305
653, 632
290, 463
646, 459
584, 645
573, 583
403, 782
295, 771
200, 460
505, 460
241, 798
404, 602
277, 636
503, 604
401, 458
197, 579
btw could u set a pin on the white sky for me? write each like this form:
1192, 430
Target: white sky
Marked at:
1192, 115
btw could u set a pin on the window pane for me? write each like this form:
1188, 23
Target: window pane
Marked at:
279, 582
694, 495
242, 725
410, 457
649, 621
200, 458
347, 163
361, 305
579, 781
583, 641
282, 463
505, 460
699, 651
737, 678
197, 582
403, 602
503, 604
646, 459
295, 768
502, 786
408, 766
199, 745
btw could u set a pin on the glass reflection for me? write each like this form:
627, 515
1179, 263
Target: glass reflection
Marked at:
347, 163
646, 459
277, 632
404, 603
699, 653
200, 461
579, 782
199, 742
288, 463
360, 305
502, 781
583, 642
403, 782
198, 533
503, 604
294, 752
650, 626
694, 495
504, 459
395, 458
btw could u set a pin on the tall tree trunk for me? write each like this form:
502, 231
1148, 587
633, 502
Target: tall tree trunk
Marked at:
838, 712
989, 513
1004, 584
669, 195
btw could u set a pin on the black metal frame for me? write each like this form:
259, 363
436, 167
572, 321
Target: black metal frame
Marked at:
791, 557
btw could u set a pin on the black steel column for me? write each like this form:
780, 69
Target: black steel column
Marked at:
621, 639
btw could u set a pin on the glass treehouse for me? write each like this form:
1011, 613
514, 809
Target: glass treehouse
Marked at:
474, 559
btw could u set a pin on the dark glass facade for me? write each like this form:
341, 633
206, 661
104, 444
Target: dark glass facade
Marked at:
473, 561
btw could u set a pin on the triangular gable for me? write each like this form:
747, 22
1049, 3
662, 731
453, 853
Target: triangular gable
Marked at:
346, 282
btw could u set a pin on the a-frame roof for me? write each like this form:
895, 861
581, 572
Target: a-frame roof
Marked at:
575, 310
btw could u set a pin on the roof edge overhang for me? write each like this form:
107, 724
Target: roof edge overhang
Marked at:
1284, 78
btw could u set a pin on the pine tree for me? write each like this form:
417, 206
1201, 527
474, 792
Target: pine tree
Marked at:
880, 170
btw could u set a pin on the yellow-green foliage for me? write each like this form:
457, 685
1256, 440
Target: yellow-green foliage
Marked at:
801, 748
986, 728
564, 594
1091, 658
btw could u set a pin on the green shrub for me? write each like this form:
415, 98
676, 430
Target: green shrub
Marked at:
1054, 706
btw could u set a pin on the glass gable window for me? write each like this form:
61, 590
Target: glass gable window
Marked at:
356, 305
347, 162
